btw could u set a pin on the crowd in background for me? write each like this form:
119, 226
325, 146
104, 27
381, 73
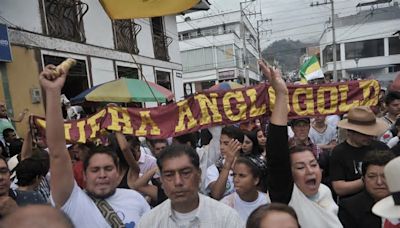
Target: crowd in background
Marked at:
325, 171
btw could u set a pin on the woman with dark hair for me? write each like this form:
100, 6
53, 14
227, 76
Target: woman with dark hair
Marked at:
251, 149
273, 215
127, 149
246, 179
262, 141
294, 177
250, 144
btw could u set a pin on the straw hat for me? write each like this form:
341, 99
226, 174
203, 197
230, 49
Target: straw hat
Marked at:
389, 207
361, 119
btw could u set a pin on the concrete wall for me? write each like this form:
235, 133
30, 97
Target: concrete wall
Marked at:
103, 69
24, 14
98, 48
22, 77
173, 48
97, 26
144, 38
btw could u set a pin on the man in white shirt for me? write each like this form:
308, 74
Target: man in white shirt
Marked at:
120, 207
185, 207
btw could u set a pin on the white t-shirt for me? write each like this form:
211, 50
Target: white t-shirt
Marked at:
245, 208
128, 204
147, 162
323, 138
332, 120
213, 174
184, 219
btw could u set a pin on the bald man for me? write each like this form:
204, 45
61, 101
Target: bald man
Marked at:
37, 216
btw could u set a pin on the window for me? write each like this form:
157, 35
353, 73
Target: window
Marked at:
63, 19
225, 56
238, 57
252, 41
185, 36
252, 61
394, 68
163, 79
198, 59
127, 72
207, 84
77, 80
364, 49
209, 31
230, 28
394, 45
160, 40
125, 33
327, 53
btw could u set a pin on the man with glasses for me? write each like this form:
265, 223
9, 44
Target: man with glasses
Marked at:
345, 164
185, 207
356, 211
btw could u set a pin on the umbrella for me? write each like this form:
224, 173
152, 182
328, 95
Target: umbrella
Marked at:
127, 9
80, 98
125, 90
225, 86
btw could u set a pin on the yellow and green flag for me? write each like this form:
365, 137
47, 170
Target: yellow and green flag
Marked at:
311, 70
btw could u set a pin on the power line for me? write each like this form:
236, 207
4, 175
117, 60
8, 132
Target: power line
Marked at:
328, 43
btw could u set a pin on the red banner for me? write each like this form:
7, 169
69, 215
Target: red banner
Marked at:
208, 109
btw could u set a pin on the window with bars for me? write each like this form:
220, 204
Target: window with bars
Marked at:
160, 40
125, 35
63, 19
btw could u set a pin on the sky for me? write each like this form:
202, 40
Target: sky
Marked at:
291, 19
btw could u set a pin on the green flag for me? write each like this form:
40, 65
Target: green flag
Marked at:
311, 70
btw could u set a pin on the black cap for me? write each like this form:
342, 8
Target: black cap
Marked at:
299, 120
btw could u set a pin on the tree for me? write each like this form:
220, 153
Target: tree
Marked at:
286, 52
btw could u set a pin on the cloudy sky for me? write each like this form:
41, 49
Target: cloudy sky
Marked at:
294, 19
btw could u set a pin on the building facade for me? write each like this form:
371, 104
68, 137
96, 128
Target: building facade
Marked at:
45, 32
366, 44
211, 50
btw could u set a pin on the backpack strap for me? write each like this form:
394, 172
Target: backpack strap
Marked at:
108, 213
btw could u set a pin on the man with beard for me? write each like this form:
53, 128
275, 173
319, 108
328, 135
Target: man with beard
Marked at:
102, 204
345, 164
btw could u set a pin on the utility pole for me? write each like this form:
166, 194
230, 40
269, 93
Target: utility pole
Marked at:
243, 36
335, 77
259, 22
244, 51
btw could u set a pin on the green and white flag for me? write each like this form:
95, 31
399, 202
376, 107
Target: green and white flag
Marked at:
311, 70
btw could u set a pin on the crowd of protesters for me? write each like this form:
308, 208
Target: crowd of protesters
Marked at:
285, 174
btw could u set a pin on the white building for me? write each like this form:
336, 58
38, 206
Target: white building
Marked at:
366, 44
46, 32
211, 50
